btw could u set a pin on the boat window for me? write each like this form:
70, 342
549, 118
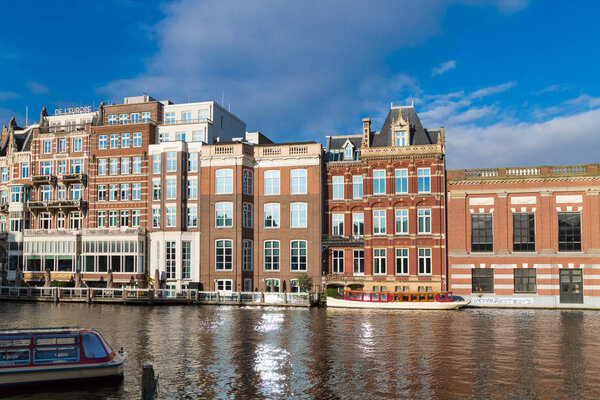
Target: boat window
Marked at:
10, 357
92, 347
383, 297
56, 355
55, 340
366, 296
350, 295
15, 341
358, 296
375, 296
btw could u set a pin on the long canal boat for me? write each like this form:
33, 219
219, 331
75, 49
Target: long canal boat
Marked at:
56, 354
397, 301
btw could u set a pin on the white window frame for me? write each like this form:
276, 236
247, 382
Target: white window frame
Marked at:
302, 265
425, 255
402, 257
274, 266
401, 214
337, 224
337, 187
224, 214
401, 176
377, 178
247, 255
298, 179
224, 181
298, 215
379, 221
357, 182
337, 261
423, 219
360, 219
274, 210
378, 257
272, 185
424, 180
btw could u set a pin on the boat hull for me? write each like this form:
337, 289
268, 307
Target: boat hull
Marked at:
53, 373
397, 305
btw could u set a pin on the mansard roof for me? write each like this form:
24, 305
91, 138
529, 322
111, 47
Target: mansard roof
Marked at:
418, 134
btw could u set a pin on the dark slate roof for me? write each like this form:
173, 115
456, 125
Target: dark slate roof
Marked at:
419, 135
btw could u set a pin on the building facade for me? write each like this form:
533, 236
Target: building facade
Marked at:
386, 207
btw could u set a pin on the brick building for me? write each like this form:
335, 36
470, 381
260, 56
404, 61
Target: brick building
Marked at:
386, 207
525, 236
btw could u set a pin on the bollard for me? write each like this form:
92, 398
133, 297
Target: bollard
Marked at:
149, 383
150, 296
285, 298
89, 295
240, 297
124, 295
218, 297
56, 294
262, 297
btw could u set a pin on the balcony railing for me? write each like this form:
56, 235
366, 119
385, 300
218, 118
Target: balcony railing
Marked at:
57, 204
114, 231
64, 128
342, 241
75, 178
185, 121
523, 172
37, 180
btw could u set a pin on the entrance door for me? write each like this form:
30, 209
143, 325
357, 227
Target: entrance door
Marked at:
571, 286
247, 285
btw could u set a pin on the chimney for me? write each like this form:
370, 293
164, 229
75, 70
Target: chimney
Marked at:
366, 132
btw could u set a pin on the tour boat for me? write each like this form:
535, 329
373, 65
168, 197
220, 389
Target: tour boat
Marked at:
397, 301
56, 354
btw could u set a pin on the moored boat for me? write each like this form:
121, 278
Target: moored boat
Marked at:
56, 354
397, 301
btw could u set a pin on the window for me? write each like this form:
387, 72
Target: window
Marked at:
17, 194
358, 257
337, 261
357, 187
203, 115
171, 217
298, 255
271, 182
137, 139
61, 192
146, 116
271, 285
401, 221
171, 189
114, 141
247, 215
298, 215
224, 181
112, 119
271, 215
423, 180
193, 162
358, 224
224, 215
481, 232
163, 137
125, 166
424, 220
46, 168
102, 142
77, 145
112, 219
125, 140
102, 167
170, 118
196, 136
45, 220
523, 232
135, 118
137, 165
112, 192
225, 285
170, 257
424, 261
400, 138
114, 166
180, 136
76, 192
25, 170
135, 218
125, 192
101, 219
337, 187
124, 220
401, 261
378, 181
156, 217
224, 255
101, 192
401, 181
348, 152
46, 194
192, 189
123, 119
62, 145
298, 180
156, 190
47, 146
379, 261
247, 182
272, 255
337, 224
76, 166
525, 280
379, 222
156, 164
192, 217
171, 161
569, 231
482, 280
247, 260
186, 259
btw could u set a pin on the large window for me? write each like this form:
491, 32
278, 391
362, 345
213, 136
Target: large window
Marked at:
423, 180
101, 221
156, 169
523, 232
247, 259
125, 165
137, 139
186, 259
247, 182
224, 215
337, 183
171, 189
378, 181
401, 181
378, 222
171, 217
77, 145
379, 261
46, 193
402, 221
357, 187
298, 215
124, 191
400, 138
271, 255
114, 166
401, 261
358, 224
337, 224
137, 165
102, 142
424, 220
424, 261
298, 180
25, 170
156, 217
525, 280
271, 219
271, 182
482, 280
223, 255
137, 191
101, 192
224, 181
114, 141
192, 217
481, 232
569, 231
298, 255
172, 161
124, 218
337, 261
136, 217
193, 162
358, 258
125, 140
247, 213
156, 190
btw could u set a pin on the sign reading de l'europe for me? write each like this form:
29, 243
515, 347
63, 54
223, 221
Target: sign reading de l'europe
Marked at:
73, 110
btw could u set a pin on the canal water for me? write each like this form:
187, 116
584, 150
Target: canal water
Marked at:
231, 352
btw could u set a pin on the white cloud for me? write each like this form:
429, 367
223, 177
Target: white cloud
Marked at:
553, 89
443, 67
37, 88
511, 6
4, 96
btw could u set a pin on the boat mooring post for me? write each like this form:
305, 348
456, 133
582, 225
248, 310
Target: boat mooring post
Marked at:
149, 383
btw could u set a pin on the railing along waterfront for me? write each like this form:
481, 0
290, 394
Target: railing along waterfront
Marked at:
523, 172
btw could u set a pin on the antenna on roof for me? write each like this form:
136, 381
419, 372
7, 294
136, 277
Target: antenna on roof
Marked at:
229, 107
412, 103
391, 105
222, 99
26, 115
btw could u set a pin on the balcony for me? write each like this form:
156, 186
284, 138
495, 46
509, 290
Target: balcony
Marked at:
4, 208
57, 205
64, 128
185, 121
70, 179
38, 180
520, 173
342, 241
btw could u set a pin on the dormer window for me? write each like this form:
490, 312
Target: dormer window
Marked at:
348, 153
400, 139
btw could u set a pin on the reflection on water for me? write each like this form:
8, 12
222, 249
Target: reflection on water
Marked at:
230, 352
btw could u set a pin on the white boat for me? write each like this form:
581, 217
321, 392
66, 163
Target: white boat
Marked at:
397, 301
56, 354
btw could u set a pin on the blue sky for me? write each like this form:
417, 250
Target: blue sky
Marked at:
514, 82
